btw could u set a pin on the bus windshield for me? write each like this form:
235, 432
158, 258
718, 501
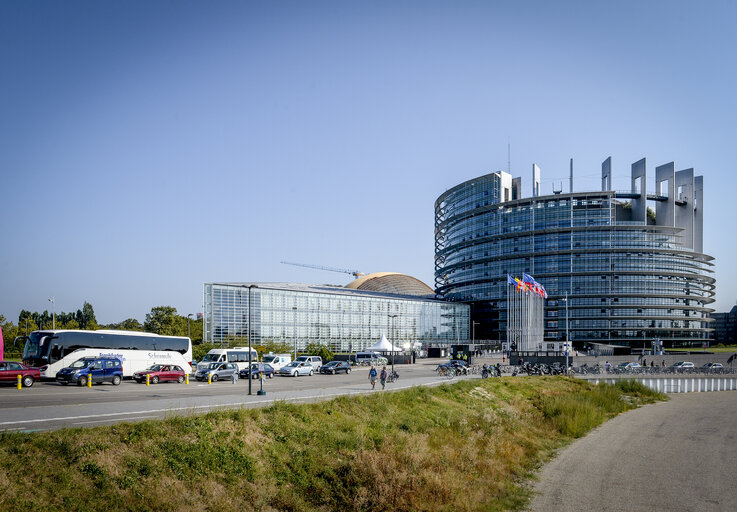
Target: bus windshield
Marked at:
37, 348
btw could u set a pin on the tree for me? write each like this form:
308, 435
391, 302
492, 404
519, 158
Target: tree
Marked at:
277, 347
26, 323
317, 349
86, 317
131, 324
10, 331
69, 324
164, 320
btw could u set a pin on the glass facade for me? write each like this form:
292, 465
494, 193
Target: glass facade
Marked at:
627, 282
345, 320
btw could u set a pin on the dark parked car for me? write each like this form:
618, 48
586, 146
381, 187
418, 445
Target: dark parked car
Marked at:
100, 369
268, 371
9, 371
334, 367
160, 373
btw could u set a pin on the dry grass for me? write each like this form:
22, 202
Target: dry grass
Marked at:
459, 447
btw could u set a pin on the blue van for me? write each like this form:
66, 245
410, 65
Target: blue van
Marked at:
99, 369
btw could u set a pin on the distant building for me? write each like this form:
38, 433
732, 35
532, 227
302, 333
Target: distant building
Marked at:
632, 273
346, 319
725, 327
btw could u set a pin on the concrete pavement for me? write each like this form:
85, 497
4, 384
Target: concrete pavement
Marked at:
679, 455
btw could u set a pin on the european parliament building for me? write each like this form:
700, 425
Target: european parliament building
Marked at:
345, 318
631, 262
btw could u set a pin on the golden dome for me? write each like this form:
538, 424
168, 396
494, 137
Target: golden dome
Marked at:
391, 282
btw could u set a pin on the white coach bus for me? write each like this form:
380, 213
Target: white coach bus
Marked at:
54, 350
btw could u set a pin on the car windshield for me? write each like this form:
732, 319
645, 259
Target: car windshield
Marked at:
81, 363
210, 357
154, 368
294, 363
212, 366
269, 359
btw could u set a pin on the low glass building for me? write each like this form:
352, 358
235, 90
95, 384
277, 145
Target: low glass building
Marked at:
346, 319
631, 273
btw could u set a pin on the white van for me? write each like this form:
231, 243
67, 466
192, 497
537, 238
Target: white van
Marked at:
314, 361
367, 357
237, 355
277, 360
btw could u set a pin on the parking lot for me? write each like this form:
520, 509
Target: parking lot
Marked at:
48, 405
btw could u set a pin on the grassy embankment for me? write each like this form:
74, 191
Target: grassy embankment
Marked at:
464, 446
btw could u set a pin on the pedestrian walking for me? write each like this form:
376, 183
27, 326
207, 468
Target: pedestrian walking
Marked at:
372, 377
663, 363
382, 377
608, 366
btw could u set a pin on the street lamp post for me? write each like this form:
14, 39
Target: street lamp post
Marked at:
392, 317
53, 313
565, 299
250, 335
294, 330
473, 334
189, 335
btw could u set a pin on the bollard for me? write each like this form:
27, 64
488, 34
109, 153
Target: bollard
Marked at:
148, 379
209, 378
186, 379
20, 381
89, 380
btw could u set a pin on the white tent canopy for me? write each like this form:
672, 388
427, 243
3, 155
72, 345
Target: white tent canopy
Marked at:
383, 345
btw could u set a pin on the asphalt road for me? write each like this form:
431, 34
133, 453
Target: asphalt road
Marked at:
679, 455
48, 405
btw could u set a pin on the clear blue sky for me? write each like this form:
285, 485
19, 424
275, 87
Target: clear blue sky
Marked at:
148, 147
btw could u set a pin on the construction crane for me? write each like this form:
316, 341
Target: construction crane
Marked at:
354, 273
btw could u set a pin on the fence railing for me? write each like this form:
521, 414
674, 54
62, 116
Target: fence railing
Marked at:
681, 384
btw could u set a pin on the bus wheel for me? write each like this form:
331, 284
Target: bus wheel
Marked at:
82, 381
27, 381
116, 380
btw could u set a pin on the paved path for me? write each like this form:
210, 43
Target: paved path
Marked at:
679, 455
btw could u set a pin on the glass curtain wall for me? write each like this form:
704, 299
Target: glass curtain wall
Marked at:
346, 322
627, 282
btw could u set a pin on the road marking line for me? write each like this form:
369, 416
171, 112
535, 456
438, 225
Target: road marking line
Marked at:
194, 407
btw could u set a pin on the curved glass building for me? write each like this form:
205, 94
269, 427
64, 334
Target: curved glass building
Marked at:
631, 263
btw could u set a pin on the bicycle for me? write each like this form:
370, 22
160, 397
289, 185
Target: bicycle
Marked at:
392, 377
448, 373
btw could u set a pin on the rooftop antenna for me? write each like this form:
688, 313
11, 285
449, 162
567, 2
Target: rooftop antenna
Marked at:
509, 155
557, 191
570, 179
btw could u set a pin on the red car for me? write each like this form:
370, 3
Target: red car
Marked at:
160, 373
9, 371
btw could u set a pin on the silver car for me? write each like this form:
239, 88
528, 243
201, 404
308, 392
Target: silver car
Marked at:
217, 371
296, 368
